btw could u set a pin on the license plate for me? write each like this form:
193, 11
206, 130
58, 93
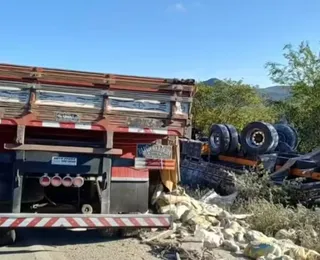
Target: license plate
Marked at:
67, 161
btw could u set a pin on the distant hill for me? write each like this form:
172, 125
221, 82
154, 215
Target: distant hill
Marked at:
275, 93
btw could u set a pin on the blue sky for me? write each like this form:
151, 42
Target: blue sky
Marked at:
187, 38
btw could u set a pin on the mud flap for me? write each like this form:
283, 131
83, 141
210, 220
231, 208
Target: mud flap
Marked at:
105, 192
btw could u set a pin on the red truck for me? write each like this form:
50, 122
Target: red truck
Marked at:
83, 150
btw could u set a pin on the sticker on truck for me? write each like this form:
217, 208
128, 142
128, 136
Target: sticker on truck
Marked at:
67, 161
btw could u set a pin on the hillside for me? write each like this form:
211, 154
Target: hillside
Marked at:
274, 92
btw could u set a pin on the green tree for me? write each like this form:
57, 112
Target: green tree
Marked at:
302, 73
231, 102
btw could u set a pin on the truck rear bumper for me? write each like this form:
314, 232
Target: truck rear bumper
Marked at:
22, 220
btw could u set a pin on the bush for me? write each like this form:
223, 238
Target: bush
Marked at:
272, 209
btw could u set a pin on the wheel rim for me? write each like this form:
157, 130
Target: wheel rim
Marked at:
255, 138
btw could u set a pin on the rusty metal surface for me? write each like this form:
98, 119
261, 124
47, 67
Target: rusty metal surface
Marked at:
55, 148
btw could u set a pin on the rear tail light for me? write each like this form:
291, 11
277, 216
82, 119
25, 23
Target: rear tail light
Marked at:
56, 181
78, 181
45, 181
67, 181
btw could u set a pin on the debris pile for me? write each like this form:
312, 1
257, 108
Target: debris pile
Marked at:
204, 227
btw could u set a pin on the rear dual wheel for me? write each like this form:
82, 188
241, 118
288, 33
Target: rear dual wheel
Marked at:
259, 138
223, 139
288, 138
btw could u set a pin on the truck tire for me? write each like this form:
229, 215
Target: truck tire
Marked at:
7, 237
287, 134
109, 232
259, 138
219, 140
234, 139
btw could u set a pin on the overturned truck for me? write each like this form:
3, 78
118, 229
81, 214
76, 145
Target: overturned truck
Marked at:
84, 150
260, 145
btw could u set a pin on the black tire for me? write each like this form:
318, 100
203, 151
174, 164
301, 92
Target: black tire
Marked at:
7, 237
109, 232
259, 138
283, 147
219, 140
234, 139
287, 134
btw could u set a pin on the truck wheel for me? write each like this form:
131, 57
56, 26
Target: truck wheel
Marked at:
287, 134
130, 232
219, 140
234, 139
259, 138
109, 232
7, 237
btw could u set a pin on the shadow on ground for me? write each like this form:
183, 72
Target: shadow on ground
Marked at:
59, 237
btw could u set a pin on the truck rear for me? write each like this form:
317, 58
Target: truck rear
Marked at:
82, 149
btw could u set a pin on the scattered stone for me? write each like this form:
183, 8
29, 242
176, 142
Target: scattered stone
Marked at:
239, 237
168, 209
180, 210
231, 246
162, 235
189, 214
228, 234
299, 252
253, 235
200, 226
196, 246
211, 239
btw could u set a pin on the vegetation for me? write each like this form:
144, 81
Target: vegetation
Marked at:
272, 211
230, 102
237, 103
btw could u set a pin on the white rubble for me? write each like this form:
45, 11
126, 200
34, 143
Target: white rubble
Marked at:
212, 227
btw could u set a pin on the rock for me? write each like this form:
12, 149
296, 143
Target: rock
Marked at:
239, 237
200, 221
253, 235
302, 253
312, 255
212, 220
228, 233
286, 234
187, 215
180, 210
192, 246
285, 244
211, 240
236, 227
168, 209
182, 232
257, 249
224, 215
231, 246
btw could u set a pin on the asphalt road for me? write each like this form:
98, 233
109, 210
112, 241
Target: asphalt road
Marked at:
73, 245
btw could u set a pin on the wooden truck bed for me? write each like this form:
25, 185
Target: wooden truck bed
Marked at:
57, 98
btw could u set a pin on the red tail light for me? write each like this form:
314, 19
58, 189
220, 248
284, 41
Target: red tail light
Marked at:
56, 181
67, 181
78, 182
45, 181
